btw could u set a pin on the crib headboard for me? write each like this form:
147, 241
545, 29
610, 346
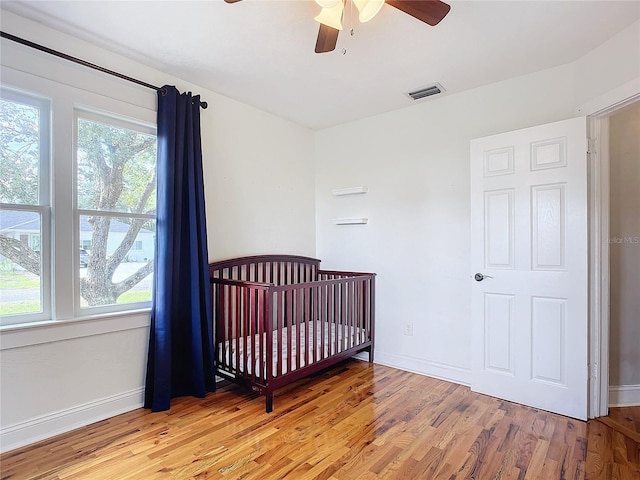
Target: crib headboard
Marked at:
273, 269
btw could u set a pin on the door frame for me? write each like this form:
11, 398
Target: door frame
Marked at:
598, 112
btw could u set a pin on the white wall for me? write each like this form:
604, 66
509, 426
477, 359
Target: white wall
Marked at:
260, 183
610, 65
260, 198
415, 163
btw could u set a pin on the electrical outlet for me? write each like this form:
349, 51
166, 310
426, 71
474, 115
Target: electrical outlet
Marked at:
408, 329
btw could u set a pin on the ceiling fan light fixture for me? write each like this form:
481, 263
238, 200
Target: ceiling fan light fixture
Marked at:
328, 3
368, 8
331, 16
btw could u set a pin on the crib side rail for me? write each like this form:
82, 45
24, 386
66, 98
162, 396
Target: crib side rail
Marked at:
273, 269
321, 319
335, 274
243, 328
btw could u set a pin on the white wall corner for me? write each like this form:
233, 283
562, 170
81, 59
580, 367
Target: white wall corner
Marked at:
46, 426
624, 395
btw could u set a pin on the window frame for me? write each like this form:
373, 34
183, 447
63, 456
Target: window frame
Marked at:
67, 87
112, 119
43, 208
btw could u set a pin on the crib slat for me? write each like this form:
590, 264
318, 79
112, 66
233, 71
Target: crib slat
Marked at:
333, 309
236, 333
299, 298
222, 334
246, 334
313, 316
353, 308
364, 309
225, 327
279, 305
259, 328
288, 325
255, 336
319, 312
266, 351
343, 305
360, 312
348, 306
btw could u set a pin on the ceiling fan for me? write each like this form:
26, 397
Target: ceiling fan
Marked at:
330, 17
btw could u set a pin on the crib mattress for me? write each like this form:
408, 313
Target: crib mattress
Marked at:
352, 335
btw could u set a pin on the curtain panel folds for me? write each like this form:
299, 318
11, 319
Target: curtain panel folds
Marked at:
180, 359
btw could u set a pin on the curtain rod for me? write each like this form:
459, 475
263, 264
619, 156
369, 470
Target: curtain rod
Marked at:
79, 61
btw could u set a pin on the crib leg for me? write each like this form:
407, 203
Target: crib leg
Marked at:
371, 354
269, 402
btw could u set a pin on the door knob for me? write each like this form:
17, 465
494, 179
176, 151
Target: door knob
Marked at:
479, 277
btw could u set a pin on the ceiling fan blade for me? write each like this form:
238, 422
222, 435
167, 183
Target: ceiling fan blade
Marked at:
428, 11
327, 39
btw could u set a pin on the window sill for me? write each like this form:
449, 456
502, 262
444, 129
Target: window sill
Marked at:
36, 333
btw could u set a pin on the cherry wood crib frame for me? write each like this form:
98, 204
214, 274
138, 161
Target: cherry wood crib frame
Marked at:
260, 302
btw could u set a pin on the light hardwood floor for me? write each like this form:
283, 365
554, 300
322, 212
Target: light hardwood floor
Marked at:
354, 421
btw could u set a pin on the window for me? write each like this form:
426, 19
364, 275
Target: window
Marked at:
24, 207
35, 242
77, 200
115, 215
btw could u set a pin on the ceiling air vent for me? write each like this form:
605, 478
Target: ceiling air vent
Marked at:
434, 89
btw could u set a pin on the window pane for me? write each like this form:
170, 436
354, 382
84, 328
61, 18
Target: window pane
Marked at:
19, 152
20, 264
116, 168
116, 271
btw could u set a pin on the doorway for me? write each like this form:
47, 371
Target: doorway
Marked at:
624, 256
615, 256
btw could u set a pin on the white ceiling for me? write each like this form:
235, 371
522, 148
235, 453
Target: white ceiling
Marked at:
261, 51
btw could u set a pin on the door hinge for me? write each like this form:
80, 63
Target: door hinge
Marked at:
591, 145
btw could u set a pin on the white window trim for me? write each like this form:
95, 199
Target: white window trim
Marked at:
44, 202
98, 93
104, 117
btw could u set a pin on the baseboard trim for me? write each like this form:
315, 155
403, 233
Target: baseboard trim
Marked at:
442, 371
624, 395
46, 426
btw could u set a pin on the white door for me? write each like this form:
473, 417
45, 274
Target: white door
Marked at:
529, 247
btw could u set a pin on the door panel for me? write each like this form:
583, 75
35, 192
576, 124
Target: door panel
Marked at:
529, 240
499, 234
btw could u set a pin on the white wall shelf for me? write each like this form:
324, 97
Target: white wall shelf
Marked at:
350, 191
351, 221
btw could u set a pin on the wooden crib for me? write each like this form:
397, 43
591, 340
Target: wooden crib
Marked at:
279, 318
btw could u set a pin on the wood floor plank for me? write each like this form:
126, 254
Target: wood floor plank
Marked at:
354, 421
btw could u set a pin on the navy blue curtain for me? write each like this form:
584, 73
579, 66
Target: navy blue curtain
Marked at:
180, 358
